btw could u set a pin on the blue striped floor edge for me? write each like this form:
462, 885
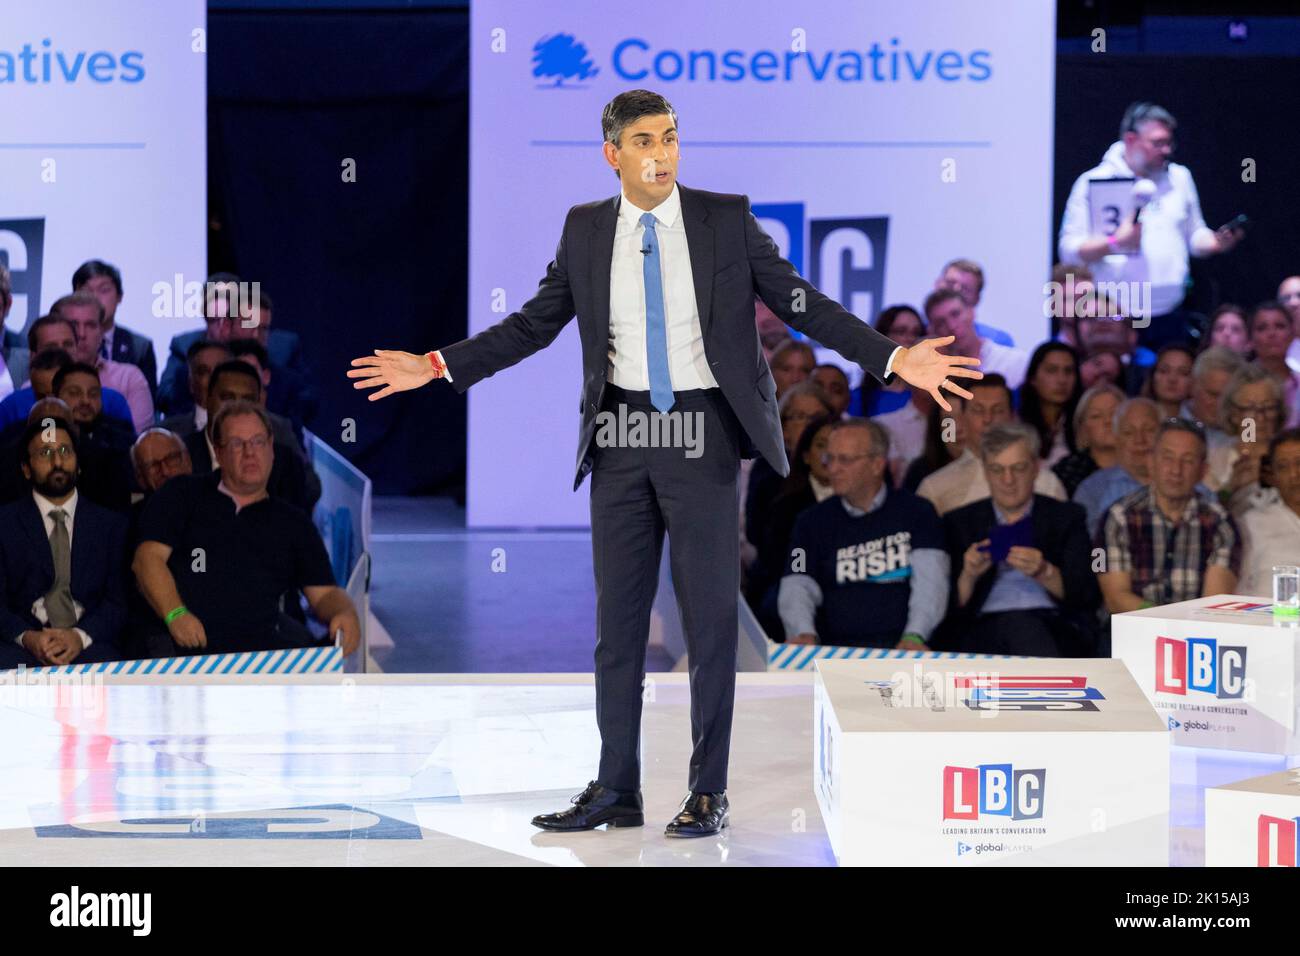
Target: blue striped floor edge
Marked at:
797, 657
293, 660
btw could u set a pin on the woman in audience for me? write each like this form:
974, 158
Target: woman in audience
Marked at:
1094, 435
1048, 399
1170, 382
904, 325
1271, 333
1228, 329
807, 484
1250, 413
938, 451
801, 404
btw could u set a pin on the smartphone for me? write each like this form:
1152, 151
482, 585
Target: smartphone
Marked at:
1241, 222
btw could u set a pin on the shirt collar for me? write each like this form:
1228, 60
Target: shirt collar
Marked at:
45, 505
666, 213
1002, 515
875, 503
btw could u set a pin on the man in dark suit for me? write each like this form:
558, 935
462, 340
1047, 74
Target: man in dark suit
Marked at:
681, 339
61, 562
1033, 591
119, 344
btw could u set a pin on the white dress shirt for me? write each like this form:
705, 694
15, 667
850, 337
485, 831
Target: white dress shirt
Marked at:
688, 366
38, 608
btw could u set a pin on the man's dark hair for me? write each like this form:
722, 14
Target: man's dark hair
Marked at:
197, 347
937, 298
1269, 305
51, 358
93, 269
42, 322
234, 367
1144, 112
1281, 438
241, 347
628, 107
40, 425
73, 368
1181, 425
991, 380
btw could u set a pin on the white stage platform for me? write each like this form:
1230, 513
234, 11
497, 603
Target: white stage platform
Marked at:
414, 770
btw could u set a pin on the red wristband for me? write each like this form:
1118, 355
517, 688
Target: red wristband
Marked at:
439, 366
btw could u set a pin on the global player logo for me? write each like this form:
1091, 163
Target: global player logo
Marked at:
1200, 664
993, 789
1277, 844
1030, 692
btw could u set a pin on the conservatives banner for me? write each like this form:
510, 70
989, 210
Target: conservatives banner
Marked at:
103, 154
875, 140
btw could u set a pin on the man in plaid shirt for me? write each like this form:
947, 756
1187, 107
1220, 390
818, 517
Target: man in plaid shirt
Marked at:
1165, 543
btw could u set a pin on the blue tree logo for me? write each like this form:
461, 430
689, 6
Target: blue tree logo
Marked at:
562, 56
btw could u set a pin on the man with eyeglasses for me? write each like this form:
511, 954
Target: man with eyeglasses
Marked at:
1137, 243
1168, 542
236, 380
1022, 580
61, 561
867, 566
217, 553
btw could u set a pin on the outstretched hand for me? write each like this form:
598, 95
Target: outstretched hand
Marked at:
396, 371
923, 366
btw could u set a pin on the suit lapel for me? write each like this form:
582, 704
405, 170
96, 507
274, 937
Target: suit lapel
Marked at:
34, 525
600, 252
699, 240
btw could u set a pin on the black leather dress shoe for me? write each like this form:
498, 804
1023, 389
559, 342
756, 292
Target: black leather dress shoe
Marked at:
702, 814
595, 806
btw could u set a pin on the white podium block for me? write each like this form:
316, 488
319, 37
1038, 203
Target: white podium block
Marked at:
969, 762
1221, 671
1255, 822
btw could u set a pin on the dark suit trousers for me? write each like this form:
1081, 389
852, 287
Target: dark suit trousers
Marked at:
638, 493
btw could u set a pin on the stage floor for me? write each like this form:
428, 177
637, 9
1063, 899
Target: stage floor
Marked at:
414, 770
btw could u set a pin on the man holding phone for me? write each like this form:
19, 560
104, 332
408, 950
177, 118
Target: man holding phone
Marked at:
1022, 582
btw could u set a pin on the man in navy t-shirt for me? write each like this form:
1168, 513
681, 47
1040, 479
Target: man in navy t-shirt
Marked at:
867, 567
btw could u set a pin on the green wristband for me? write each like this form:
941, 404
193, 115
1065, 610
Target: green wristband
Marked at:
914, 639
176, 612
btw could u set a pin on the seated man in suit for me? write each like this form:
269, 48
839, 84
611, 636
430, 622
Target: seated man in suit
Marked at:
50, 333
61, 561
201, 358
105, 442
238, 381
1033, 593
14, 350
119, 344
218, 552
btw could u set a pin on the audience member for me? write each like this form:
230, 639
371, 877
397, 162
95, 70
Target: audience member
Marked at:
255, 548
1094, 435
965, 277
948, 314
945, 439
866, 568
1049, 397
117, 343
13, 354
85, 314
835, 384
962, 481
1288, 293
904, 327
1271, 334
1135, 425
1270, 530
1024, 582
1170, 383
1251, 414
61, 561
105, 442
1227, 329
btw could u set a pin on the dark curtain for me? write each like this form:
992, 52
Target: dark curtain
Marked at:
1228, 109
351, 266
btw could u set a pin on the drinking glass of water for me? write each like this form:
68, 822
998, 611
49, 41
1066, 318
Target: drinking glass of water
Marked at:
1286, 590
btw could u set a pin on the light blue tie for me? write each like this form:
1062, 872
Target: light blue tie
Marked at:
656, 332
